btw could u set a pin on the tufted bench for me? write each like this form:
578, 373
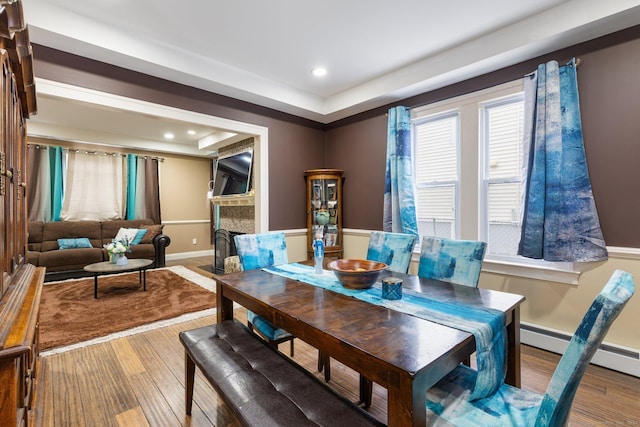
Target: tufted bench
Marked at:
261, 386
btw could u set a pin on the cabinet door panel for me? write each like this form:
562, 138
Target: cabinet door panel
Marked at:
324, 210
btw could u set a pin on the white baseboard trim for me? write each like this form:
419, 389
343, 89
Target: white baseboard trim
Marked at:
194, 254
611, 356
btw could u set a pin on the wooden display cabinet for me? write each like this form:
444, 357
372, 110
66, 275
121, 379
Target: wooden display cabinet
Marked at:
324, 210
20, 283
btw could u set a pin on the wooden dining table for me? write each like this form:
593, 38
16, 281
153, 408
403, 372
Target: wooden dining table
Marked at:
403, 353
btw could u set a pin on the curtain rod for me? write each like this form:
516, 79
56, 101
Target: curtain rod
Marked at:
95, 152
568, 64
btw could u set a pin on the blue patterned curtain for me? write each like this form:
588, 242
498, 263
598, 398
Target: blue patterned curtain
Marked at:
560, 221
399, 200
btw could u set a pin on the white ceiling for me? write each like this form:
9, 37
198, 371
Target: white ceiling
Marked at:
376, 52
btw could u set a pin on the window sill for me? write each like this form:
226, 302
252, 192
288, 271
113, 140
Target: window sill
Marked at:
569, 275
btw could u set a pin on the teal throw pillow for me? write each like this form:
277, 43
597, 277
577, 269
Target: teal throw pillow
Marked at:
139, 235
81, 242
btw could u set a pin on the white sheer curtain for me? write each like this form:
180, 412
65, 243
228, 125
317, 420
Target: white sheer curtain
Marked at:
95, 188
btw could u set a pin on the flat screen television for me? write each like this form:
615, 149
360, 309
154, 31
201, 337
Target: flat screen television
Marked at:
232, 174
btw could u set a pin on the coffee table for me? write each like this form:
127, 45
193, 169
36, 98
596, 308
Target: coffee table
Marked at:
107, 267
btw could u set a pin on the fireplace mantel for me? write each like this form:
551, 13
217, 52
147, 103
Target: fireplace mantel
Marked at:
243, 200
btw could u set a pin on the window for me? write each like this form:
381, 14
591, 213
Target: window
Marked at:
501, 136
436, 166
468, 175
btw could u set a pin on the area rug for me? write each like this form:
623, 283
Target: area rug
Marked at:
70, 317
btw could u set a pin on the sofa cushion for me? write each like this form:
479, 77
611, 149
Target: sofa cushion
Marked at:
126, 233
33, 257
139, 235
80, 242
111, 228
70, 259
152, 232
34, 230
69, 230
141, 251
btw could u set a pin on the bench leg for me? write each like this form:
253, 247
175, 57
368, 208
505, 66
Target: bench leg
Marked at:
189, 376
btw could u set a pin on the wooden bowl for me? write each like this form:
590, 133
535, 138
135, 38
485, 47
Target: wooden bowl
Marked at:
357, 273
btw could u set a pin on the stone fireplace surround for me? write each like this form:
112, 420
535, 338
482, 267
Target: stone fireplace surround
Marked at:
232, 219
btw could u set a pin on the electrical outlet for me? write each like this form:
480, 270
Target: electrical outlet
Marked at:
195, 241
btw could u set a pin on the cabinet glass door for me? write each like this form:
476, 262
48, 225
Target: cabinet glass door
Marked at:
324, 210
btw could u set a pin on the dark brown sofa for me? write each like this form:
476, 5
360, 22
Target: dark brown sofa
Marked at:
43, 249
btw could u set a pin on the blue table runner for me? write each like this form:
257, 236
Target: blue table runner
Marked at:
487, 325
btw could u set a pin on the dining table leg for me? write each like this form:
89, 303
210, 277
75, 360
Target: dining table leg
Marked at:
513, 376
224, 305
407, 404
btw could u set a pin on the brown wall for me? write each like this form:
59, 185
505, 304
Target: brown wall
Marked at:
360, 150
610, 101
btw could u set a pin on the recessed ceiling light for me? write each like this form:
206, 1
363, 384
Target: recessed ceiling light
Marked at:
191, 132
168, 135
319, 71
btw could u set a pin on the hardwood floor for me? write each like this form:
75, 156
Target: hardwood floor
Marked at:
139, 381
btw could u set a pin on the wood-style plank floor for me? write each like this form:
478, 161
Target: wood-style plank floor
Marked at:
139, 381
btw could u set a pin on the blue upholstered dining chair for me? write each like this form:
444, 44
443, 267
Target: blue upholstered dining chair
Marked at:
454, 261
448, 404
259, 251
395, 250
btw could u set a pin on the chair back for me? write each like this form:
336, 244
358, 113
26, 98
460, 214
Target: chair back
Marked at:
455, 261
261, 250
556, 404
394, 249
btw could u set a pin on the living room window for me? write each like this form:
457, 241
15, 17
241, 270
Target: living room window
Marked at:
469, 173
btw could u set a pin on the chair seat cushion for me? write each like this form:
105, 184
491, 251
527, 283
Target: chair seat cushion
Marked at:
266, 328
448, 403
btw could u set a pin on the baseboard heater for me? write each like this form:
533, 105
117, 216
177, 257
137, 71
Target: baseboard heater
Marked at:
609, 356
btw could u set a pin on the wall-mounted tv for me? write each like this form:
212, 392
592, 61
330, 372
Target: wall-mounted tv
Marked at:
232, 174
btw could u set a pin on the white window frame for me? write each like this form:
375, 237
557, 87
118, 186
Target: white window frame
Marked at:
471, 203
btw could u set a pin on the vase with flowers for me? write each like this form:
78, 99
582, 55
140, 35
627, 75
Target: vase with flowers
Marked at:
116, 251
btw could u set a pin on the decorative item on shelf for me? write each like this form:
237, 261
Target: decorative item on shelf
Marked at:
318, 250
116, 251
331, 236
322, 217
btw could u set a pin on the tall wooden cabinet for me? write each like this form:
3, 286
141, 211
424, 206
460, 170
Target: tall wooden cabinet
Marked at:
20, 283
324, 210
